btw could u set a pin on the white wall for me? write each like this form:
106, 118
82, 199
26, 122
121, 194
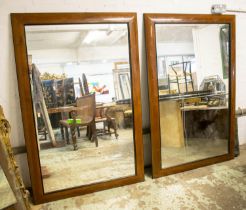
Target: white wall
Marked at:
9, 97
48, 56
91, 61
101, 53
175, 49
208, 52
57, 60
91, 70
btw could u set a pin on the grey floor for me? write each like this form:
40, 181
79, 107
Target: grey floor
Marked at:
219, 186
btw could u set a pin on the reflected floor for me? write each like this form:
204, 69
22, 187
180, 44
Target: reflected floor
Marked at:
195, 149
66, 168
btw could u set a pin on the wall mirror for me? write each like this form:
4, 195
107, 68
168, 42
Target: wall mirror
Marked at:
79, 88
191, 72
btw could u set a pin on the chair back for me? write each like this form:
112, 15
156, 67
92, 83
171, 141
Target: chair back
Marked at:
81, 88
88, 108
85, 84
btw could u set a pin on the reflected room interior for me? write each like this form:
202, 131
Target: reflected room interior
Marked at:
193, 66
80, 78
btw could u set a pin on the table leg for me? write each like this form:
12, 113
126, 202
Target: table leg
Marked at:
73, 131
94, 134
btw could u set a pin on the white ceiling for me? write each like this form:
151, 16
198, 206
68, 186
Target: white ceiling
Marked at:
75, 36
167, 34
89, 35
173, 33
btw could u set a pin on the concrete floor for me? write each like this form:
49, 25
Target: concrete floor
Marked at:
219, 186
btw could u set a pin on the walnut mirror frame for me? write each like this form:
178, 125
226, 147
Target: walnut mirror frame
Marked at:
20, 23
167, 24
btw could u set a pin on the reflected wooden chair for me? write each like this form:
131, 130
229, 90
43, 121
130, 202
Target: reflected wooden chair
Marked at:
101, 116
108, 121
81, 88
85, 84
128, 118
86, 116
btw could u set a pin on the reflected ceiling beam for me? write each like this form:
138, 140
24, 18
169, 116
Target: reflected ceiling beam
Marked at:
79, 39
66, 28
52, 31
94, 36
119, 38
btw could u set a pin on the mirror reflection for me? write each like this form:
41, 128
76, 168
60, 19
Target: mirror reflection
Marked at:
193, 65
80, 77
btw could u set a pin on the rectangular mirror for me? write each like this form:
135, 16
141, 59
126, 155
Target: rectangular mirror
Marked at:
193, 71
82, 75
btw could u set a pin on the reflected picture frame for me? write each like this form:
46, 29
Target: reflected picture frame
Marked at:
19, 21
150, 19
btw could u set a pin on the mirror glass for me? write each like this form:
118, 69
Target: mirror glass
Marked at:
193, 65
80, 78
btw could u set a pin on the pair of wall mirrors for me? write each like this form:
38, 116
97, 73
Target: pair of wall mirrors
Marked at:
79, 87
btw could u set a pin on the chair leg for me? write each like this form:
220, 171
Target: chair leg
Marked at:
88, 131
62, 131
67, 135
93, 133
115, 128
109, 124
104, 127
74, 139
96, 140
112, 124
45, 134
78, 131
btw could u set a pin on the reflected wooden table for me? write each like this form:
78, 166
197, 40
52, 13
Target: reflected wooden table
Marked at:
174, 124
72, 111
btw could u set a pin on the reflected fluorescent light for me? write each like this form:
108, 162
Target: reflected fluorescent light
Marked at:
93, 36
69, 63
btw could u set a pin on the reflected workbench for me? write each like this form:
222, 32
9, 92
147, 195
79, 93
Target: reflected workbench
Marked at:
187, 116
